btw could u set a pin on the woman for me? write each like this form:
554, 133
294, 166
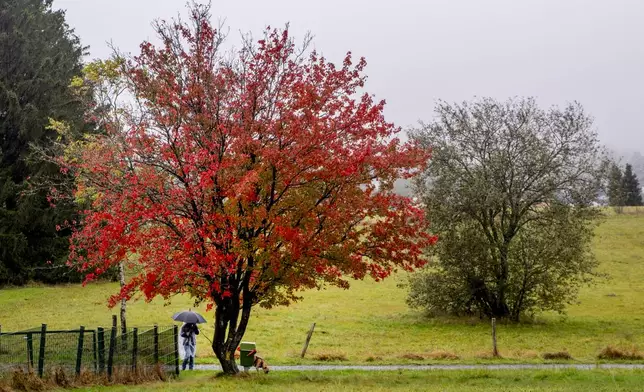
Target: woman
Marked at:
189, 334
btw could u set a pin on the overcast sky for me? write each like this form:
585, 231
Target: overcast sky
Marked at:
420, 51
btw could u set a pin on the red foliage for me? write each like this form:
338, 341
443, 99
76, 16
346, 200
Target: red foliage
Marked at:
253, 175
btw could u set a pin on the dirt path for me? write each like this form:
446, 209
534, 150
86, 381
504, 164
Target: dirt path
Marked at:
444, 367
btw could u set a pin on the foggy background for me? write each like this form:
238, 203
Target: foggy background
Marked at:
421, 51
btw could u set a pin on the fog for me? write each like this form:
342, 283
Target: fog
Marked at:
421, 51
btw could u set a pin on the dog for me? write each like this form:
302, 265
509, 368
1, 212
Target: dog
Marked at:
260, 363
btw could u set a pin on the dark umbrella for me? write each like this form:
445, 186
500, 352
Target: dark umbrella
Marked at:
188, 316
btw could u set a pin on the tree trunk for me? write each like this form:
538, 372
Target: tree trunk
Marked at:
501, 309
229, 330
123, 302
224, 314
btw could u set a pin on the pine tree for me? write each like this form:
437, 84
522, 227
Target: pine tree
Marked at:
616, 197
631, 188
39, 56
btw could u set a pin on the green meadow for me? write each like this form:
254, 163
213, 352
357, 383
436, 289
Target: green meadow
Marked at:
370, 322
445, 381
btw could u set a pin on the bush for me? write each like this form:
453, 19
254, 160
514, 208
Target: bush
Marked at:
439, 294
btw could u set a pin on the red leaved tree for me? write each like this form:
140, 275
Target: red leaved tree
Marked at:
245, 176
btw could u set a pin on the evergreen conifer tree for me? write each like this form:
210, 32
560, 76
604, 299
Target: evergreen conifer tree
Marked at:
615, 186
39, 56
631, 187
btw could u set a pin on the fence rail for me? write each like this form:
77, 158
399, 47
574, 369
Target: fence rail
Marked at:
97, 350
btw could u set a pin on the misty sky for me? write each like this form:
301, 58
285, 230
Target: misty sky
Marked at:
420, 51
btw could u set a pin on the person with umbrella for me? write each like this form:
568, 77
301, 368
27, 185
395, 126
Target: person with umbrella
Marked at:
189, 332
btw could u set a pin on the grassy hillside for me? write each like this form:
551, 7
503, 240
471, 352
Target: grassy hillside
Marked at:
371, 323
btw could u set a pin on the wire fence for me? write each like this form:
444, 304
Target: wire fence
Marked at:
100, 350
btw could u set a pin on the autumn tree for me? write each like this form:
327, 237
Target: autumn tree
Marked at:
245, 176
103, 86
509, 192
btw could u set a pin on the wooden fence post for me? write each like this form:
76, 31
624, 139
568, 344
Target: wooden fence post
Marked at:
101, 350
41, 356
30, 351
156, 344
135, 348
79, 351
175, 333
94, 351
110, 356
308, 339
495, 350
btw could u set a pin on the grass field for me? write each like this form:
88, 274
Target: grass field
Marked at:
370, 323
461, 381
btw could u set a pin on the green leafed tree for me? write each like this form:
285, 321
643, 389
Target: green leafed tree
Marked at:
631, 187
39, 57
509, 191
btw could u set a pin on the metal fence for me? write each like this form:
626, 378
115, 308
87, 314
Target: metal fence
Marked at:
95, 350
